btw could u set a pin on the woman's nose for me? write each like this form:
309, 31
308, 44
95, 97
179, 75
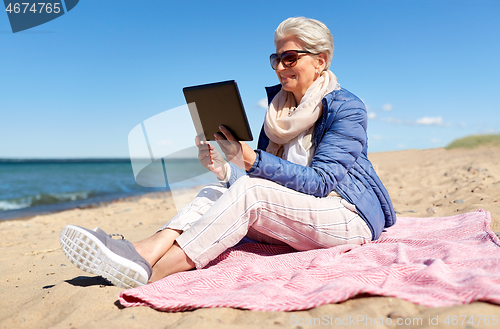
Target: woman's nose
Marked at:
280, 66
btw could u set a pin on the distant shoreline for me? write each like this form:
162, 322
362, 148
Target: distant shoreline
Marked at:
27, 213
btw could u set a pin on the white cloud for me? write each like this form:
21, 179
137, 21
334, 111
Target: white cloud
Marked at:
435, 140
372, 115
438, 121
387, 107
393, 120
377, 137
425, 121
262, 103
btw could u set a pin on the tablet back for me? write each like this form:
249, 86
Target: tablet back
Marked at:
218, 104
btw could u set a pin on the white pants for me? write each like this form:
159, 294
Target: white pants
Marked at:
218, 218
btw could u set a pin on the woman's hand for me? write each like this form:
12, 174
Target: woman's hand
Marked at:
210, 158
236, 152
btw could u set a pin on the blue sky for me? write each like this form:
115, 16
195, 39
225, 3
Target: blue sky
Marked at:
76, 86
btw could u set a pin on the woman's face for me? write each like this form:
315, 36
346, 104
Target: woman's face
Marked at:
298, 78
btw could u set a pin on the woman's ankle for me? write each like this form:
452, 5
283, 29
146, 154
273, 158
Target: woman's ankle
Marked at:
154, 247
144, 251
174, 261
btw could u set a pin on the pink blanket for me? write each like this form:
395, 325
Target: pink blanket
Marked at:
429, 261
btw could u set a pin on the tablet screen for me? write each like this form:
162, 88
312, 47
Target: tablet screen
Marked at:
215, 104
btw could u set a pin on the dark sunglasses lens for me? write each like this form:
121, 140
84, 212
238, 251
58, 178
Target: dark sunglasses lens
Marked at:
289, 58
275, 59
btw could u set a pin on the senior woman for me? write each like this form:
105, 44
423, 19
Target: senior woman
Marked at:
308, 185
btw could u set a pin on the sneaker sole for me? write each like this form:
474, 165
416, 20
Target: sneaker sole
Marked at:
88, 253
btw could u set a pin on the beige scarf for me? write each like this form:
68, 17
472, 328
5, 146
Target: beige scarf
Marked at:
292, 125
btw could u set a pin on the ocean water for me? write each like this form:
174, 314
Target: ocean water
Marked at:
31, 187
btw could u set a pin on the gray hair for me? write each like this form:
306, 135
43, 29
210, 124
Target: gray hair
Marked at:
313, 34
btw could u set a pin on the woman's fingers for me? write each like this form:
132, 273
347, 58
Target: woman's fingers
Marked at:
204, 152
206, 160
232, 149
227, 133
210, 158
226, 146
203, 147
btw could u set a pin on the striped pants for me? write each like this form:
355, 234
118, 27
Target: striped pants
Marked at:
218, 218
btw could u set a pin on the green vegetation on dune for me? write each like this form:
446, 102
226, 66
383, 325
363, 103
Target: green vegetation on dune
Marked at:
475, 141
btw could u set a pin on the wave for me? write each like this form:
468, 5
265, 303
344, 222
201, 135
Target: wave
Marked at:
44, 199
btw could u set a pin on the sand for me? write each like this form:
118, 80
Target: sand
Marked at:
40, 288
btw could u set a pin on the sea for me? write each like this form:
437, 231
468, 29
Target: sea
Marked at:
30, 187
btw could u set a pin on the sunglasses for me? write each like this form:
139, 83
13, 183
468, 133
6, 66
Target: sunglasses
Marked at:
288, 58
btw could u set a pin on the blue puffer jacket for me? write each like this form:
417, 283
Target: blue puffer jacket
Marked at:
340, 161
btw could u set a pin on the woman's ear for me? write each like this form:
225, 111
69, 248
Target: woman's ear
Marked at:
321, 62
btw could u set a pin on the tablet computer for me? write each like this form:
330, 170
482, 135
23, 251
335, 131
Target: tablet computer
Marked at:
215, 104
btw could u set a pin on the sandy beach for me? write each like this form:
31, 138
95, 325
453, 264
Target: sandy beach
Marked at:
40, 288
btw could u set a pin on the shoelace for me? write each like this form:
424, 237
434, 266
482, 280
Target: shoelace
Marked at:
116, 234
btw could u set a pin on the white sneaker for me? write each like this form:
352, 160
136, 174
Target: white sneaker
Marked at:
97, 253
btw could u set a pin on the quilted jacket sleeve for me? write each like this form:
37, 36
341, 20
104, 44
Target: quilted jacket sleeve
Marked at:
235, 174
342, 143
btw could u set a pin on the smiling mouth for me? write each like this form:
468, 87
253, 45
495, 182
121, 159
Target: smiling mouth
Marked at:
286, 77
